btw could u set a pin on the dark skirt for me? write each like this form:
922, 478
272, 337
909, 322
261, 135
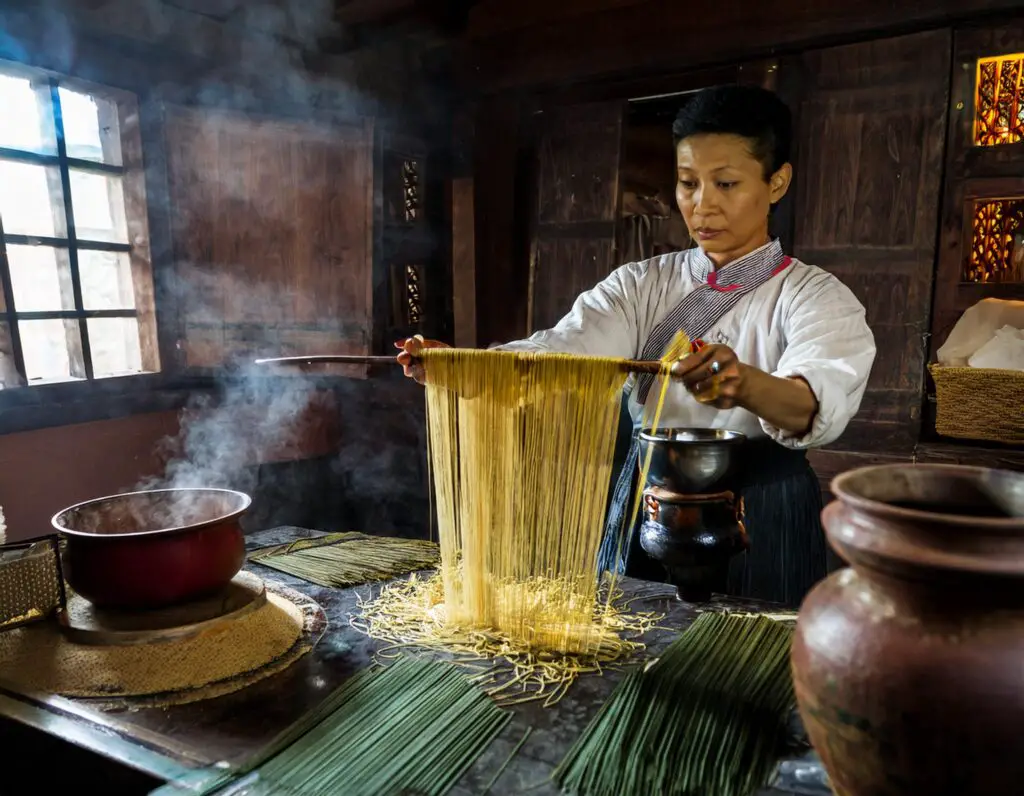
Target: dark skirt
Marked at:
782, 500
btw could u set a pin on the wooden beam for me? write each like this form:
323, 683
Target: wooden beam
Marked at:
502, 146
463, 263
1001, 458
655, 35
353, 12
495, 17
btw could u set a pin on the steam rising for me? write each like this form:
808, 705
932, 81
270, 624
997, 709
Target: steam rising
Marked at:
225, 434
132, 514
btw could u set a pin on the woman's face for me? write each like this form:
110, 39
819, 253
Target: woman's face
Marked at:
724, 196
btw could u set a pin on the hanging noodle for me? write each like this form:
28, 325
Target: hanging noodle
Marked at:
520, 448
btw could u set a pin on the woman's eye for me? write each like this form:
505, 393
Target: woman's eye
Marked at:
689, 185
725, 186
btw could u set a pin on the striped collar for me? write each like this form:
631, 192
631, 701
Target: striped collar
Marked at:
736, 274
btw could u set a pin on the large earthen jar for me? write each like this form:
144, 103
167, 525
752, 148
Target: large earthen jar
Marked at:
909, 665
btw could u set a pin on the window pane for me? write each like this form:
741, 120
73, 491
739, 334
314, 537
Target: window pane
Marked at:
90, 127
31, 201
114, 343
98, 204
106, 280
25, 123
8, 373
41, 278
52, 350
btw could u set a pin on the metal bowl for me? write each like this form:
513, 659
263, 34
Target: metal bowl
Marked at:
153, 549
691, 461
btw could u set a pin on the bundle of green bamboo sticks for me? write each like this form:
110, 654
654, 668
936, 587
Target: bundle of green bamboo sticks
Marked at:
349, 559
414, 727
708, 718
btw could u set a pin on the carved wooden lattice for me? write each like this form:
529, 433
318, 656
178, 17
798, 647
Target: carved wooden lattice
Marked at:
999, 109
413, 295
997, 242
411, 190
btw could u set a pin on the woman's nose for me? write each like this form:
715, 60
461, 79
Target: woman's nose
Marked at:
704, 199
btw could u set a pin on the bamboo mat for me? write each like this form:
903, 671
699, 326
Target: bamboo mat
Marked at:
339, 560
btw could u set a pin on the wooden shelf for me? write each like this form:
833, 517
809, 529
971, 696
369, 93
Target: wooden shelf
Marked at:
1004, 457
829, 463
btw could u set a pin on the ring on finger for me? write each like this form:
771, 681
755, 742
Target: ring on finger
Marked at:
715, 367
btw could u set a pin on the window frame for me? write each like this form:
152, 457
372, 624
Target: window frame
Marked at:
85, 383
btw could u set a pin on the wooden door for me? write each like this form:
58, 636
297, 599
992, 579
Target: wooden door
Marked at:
573, 244
871, 135
272, 224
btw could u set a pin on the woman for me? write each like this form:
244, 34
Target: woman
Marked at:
788, 351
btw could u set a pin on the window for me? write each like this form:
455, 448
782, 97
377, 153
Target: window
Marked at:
77, 292
997, 242
999, 105
996, 254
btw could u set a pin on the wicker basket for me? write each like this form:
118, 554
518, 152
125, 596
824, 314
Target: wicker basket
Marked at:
979, 403
31, 584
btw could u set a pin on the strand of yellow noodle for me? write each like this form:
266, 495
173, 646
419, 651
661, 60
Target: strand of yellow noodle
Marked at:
520, 450
677, 348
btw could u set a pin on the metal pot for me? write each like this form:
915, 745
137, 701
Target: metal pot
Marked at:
694, 538
691, 461
155, 548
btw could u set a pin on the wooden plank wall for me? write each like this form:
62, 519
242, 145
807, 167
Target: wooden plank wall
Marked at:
503, 137
533, 43
463, 263
871, 138
272, 225
574, 240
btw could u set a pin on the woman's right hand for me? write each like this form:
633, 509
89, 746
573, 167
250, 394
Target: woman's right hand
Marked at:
409, 357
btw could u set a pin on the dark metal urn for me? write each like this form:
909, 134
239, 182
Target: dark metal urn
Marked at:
693, 516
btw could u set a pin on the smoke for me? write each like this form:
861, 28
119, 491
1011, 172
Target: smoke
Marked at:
224, 435
249, 55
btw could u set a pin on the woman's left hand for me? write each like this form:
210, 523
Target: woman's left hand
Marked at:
713, 375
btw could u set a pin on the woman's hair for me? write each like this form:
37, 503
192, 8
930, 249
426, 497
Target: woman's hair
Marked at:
752, 112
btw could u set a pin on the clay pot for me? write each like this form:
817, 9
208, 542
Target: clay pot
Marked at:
909, 667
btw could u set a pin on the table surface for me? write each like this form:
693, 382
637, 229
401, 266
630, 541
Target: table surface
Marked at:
169, 743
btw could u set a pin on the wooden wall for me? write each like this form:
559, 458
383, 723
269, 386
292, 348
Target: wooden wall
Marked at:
871, 132
512, 46
273, 230
48, 470
579, 154
877, 92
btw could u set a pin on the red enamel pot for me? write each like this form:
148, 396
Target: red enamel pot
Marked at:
153, 549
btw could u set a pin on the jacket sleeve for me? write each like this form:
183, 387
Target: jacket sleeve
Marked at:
830, 346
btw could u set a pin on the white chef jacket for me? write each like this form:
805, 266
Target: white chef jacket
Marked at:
803, 322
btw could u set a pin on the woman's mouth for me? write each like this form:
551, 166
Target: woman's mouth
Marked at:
704, 233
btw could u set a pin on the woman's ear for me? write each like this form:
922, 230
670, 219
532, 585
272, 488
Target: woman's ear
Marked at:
779, 182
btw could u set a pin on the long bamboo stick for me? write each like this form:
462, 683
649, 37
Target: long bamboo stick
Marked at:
653, 367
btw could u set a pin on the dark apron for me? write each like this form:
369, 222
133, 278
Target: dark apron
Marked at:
782, 500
